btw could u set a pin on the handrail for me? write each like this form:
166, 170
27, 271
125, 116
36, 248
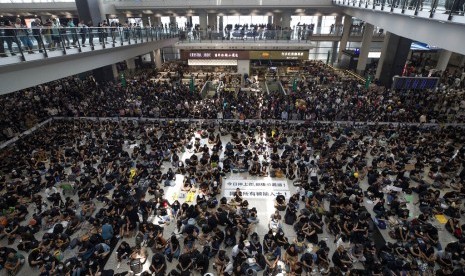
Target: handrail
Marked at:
427, 8
282, 88
204, 88
357, 76
267, 89
65, 40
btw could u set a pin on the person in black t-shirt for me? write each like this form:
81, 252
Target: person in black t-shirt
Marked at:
185, 264
158, 266
307, 262
341, 260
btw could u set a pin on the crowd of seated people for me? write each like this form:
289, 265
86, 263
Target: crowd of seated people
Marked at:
321, 94
120, 172
74, 191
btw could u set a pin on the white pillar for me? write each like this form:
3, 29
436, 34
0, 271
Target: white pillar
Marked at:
345, 35
157, 58
443, 60
115, 71
131, 63
243, 66
366, 42
203, 20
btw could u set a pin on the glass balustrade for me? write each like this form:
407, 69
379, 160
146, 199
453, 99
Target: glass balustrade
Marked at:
298, 35
415, 7
27, 44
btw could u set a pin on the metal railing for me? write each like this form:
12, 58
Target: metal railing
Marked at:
431, 7
297, 35
27, 43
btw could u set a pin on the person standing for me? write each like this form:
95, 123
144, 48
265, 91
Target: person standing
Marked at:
10, 37
83, 32
90, 29
47, 32
72, 29
2, 41
37, 33
55, 30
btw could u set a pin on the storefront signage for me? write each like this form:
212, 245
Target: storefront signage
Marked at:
265, 188
214, 55
279, 55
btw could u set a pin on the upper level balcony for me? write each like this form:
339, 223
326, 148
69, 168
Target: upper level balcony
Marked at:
442, 10
300, 37
31, 44
436, 22
35, 56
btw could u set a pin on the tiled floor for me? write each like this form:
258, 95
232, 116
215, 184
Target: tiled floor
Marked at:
265, 208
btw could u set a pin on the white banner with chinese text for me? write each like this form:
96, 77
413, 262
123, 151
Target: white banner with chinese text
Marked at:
260, 188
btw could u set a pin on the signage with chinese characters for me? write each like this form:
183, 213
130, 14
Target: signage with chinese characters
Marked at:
214, 55
246, 193
279, 55
265, 188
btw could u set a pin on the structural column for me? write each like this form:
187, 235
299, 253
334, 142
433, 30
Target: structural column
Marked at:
282, 19
393, 57
211, 18
319, 23
220, 24
203, 22
337, 25
114, 68
173, 21
105, 73
89, 11
443, 60
156, 21
157, 58
366, 43
334, 52
131, 63
345, 35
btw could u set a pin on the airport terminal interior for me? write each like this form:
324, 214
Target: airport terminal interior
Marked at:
232, 137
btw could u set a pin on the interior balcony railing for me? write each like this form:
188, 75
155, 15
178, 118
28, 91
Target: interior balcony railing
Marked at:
297, 35
428, 8
27, 44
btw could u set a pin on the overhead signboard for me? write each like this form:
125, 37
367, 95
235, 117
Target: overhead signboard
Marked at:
279, 55
185, 55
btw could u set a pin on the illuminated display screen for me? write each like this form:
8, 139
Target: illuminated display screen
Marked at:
415, 83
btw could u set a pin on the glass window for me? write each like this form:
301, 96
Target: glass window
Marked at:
326, 24
165, 20
181, 21
195, 20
